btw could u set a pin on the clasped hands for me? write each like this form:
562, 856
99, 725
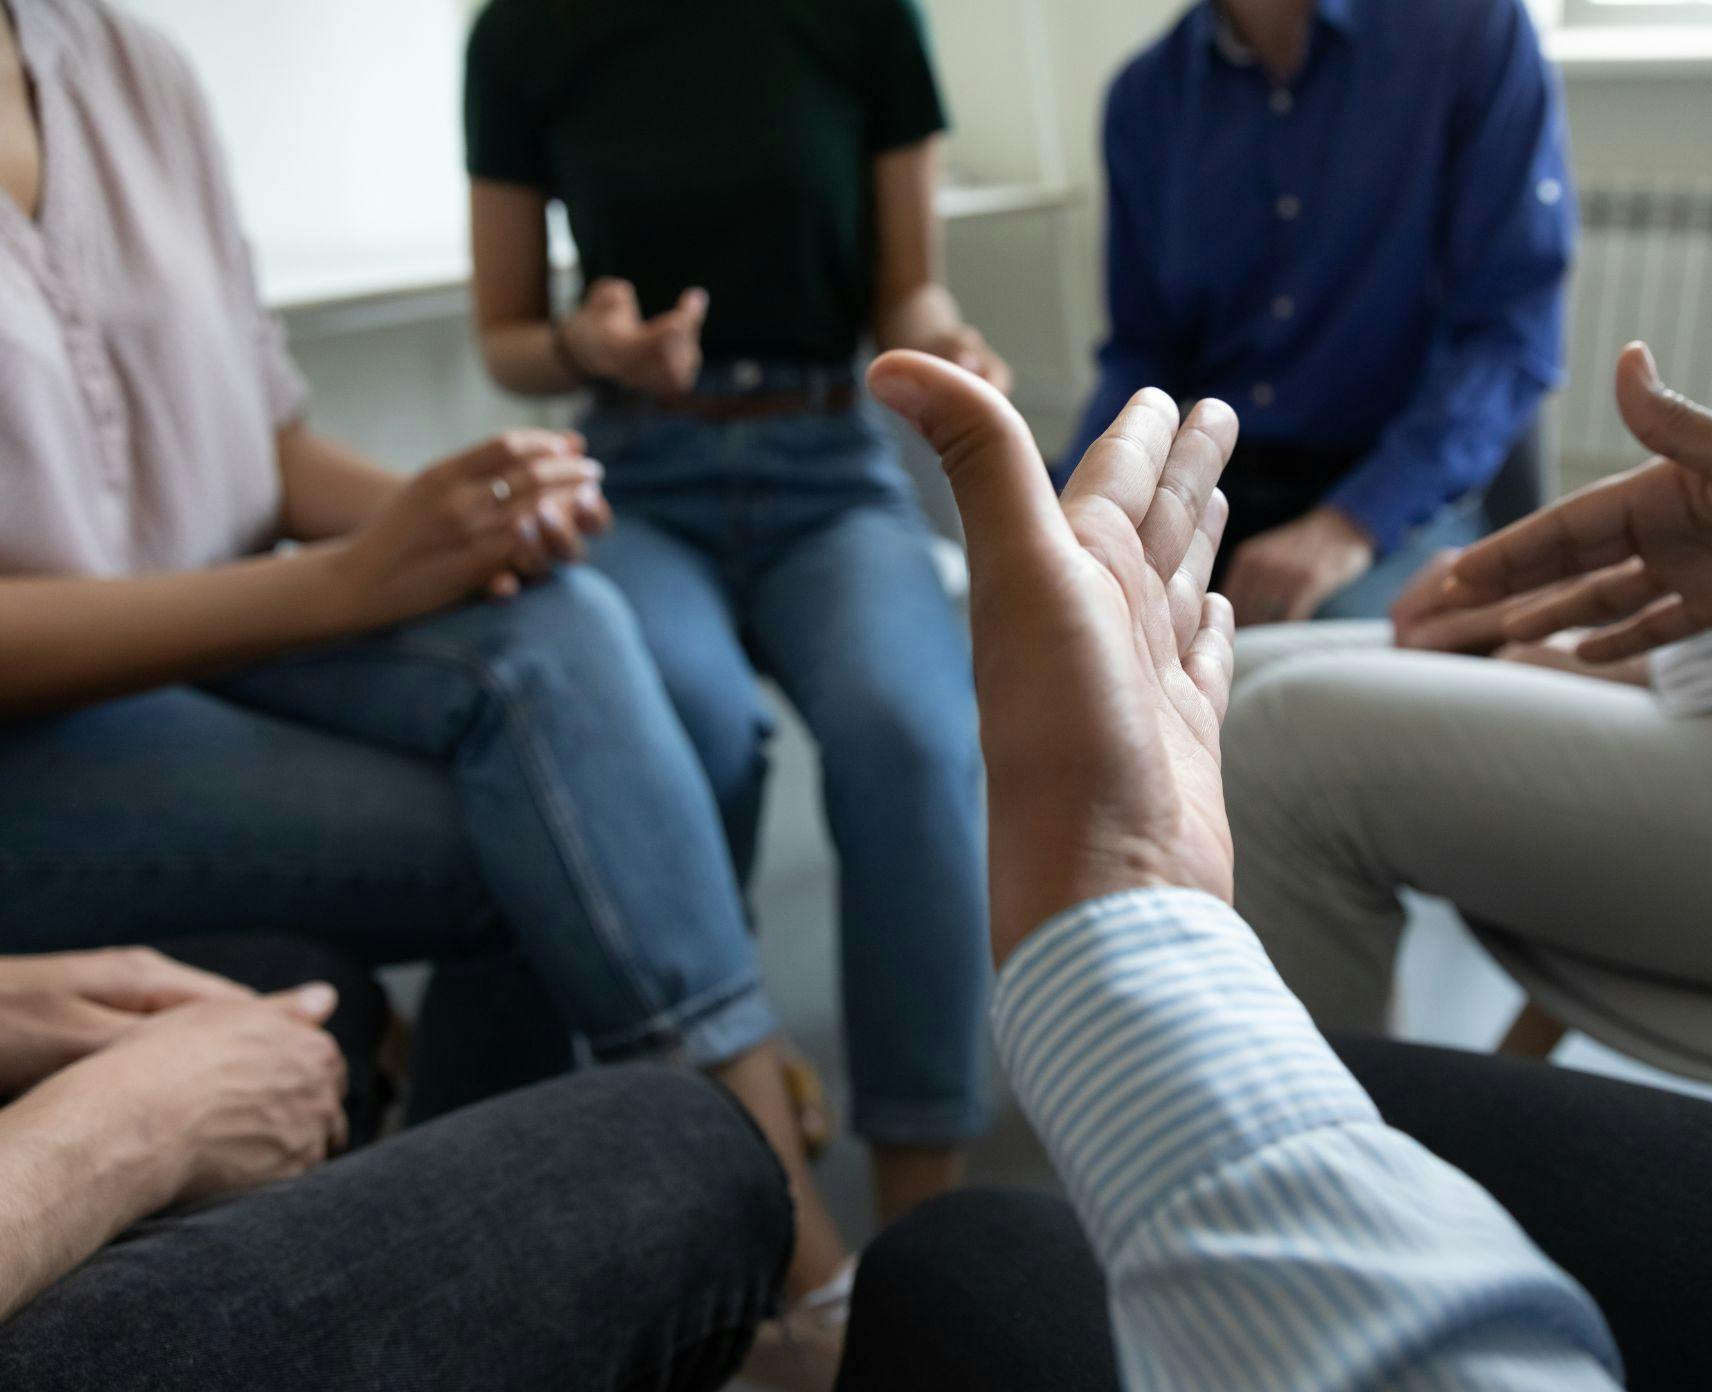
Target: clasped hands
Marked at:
212, 1088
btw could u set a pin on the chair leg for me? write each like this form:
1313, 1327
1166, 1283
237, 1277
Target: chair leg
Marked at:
1533, 1034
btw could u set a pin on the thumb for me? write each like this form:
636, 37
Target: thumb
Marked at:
691, 311
314, 1004
1665, 421
988, 453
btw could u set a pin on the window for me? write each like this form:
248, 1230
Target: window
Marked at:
1598, 13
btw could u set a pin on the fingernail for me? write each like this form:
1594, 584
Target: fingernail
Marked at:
900, 394
317, 999
588, 495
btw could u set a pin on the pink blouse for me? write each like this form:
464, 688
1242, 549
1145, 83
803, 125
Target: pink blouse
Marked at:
141, 381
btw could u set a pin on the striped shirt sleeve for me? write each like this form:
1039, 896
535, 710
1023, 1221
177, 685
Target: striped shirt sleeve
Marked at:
1260, 1227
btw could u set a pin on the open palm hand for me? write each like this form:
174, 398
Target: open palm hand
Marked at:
1102, 666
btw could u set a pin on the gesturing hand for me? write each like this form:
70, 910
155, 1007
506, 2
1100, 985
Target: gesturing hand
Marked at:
58, 1008
967, 347
1286, 574
612, 342
1102, 666
1638, 546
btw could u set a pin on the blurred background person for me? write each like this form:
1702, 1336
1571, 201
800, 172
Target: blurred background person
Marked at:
767, 206
202, 733
1352, 220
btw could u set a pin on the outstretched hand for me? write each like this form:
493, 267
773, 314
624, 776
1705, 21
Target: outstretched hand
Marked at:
1102, 666
1637, 548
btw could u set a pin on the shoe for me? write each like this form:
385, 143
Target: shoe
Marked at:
802, 1349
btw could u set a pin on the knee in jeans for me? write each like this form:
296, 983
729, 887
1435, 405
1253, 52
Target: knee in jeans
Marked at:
902, 737
559, 630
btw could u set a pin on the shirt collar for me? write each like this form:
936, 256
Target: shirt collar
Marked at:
1216, 31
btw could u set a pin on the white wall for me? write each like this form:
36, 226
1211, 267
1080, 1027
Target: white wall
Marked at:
343, 116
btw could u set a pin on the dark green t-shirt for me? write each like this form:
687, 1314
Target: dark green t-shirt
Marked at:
721, 143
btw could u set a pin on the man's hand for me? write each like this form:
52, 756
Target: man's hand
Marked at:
612, 342
58, 1008
1102, 666
230, 1095
1286, 574
1558, 654
1638, 547
967, 347
1427, 618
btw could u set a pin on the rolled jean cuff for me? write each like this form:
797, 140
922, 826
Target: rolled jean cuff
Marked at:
945, 1123
703, 1032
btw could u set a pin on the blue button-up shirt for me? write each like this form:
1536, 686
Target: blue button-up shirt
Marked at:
1369, 257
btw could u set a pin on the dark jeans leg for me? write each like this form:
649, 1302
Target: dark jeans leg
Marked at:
981, 1292
991, 1291
623, 1229
1607, 1177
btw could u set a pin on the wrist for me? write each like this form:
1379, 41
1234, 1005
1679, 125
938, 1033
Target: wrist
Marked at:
335, 597
133, 1156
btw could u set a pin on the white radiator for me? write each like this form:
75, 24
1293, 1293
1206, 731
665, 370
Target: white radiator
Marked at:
1644, 271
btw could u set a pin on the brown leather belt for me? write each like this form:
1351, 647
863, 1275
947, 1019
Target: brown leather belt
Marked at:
748, 406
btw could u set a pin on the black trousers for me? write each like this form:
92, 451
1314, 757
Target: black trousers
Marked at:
1000, 1290
623, 1229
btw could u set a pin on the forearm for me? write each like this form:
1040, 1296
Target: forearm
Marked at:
330, 489
527, 359
1449, 441
71, 641
75, 1172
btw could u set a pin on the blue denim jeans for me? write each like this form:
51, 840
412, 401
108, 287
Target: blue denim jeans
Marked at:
402, 798
793, 547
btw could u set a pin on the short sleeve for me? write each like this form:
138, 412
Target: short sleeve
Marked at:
905, 103
505, 132
283, 385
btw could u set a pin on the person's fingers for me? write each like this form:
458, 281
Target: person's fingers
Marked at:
508, 452
313, 1004
1665, 421
1199, 452
1606, 597
1211, 659
1188, 587
1665, 621
146, 981
1424, 594
692, 310
997, 477
610, 295
505, 585
1123, 468
563, 540
1584, 532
